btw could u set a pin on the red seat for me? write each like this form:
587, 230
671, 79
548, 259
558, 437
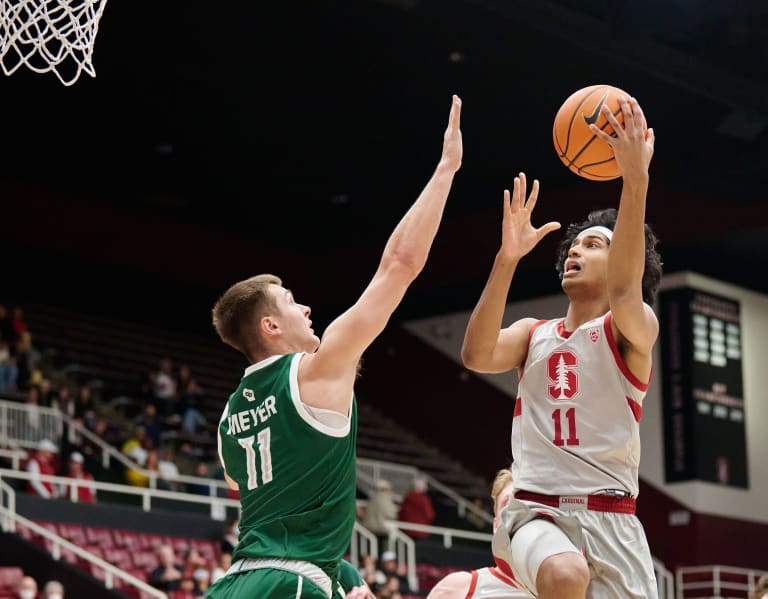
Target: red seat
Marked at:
96, 535
126, 539
118, 557
73, 532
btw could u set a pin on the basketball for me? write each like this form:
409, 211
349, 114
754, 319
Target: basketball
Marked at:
580, 149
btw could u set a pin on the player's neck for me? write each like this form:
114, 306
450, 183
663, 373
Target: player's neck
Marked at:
581, 311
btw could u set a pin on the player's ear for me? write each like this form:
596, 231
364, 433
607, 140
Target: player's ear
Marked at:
269, 326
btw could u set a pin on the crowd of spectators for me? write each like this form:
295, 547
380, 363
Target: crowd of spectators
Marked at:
191, 575
27, 588
160, 438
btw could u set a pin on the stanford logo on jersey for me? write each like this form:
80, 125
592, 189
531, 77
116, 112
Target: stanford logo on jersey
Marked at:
561, 370
594, 334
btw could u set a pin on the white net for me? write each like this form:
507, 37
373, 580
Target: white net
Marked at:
49, 35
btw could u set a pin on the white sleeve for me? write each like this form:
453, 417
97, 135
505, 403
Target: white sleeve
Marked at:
39, 488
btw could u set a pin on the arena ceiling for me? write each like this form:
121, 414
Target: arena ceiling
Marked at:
290, 136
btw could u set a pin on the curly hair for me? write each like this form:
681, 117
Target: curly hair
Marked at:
607, 218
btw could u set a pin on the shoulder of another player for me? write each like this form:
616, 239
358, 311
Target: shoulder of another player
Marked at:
454, 586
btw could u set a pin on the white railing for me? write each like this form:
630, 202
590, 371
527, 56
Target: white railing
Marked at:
405, 550
58, 543
11, 521
716, 581
665, 580
13, 435
402, 478
17, 456
363, 542
25, 425
217, 505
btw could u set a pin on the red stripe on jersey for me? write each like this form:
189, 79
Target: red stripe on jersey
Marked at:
518, 407
472, 584
561, 330
504, 567
637, 409
617, 356
510, 580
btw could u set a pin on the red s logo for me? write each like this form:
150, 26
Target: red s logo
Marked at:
563, 378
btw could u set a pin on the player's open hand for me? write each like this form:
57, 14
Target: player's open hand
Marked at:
518, 235
452, 145
633, 143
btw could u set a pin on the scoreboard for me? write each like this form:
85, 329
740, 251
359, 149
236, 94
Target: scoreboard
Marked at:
703, 388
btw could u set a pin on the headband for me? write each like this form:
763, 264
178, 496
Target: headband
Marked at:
597, 229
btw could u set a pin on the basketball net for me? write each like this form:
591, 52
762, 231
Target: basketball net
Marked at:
49, 35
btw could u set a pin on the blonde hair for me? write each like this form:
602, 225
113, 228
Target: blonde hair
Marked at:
236, 310
503, 478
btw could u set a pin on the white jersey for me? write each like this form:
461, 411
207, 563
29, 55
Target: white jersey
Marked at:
492, 583
576, 424
486, 583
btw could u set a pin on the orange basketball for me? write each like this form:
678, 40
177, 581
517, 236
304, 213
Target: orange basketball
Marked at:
579, 148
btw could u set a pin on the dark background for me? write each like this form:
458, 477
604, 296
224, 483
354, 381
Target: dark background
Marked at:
220, 140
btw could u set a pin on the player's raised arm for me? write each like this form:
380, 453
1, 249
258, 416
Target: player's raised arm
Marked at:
633, 148
486, 348
404, 257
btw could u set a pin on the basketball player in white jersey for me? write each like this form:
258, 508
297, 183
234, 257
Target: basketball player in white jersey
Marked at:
486, 583
570, 530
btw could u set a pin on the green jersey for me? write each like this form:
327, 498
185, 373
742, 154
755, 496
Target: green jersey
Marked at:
294, 465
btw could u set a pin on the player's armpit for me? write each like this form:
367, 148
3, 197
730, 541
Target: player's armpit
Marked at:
231, 482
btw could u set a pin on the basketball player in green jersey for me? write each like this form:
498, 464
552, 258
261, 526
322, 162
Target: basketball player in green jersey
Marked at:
287, 434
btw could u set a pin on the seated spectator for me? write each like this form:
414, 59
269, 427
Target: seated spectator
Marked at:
53, 589
168, 471
85, 406
84, 493
761, 589
64, 401
42, 462
191, 402
148, 460
201, 488
417, 508
9, 371
186, 459
475, 519
149, 421
202, 578
47, 393
220, 569
231, 536
167, 575
164, 387
392, 569
187, 589
28, 360
380, 509
371, 574
27, 588
19, 324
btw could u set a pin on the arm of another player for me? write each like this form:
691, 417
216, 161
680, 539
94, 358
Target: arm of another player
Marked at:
405, 255
633, 148
486, 348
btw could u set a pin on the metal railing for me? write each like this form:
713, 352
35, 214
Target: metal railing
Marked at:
217, 505
402, 478
14, 433
363, 542
11, 521
715, 581
665, 580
